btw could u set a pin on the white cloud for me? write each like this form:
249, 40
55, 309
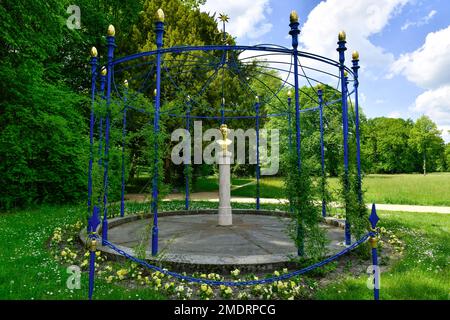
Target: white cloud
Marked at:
427, 66
360, 19
421, 22
435, 103
248, 18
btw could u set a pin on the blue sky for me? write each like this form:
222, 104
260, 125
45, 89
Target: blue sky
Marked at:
404, 46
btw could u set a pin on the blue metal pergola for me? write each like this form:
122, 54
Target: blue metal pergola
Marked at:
155, 65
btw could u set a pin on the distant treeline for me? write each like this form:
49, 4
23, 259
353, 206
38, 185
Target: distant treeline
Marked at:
403, 146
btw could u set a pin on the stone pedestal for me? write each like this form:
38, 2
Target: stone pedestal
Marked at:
225, 215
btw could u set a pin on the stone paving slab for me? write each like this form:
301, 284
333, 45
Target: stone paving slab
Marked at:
197, 240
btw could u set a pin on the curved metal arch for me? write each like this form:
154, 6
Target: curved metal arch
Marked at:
276, 49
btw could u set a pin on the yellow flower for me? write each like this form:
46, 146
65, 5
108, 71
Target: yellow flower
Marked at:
235, 272
279, 285
276, 273
203, 287
121, 273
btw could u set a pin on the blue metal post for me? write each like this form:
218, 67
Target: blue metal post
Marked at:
289, 120
111, 45
294, 32
124, 133
93, 223
103, 74
290, 134
91, 125
186, 165
373, 240
322, 151
355, 68
222, 111
258, 168
341, 49
159, 28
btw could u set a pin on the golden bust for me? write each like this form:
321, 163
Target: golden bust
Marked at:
224, 142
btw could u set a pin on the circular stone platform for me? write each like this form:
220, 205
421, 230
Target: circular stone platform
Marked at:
194, 242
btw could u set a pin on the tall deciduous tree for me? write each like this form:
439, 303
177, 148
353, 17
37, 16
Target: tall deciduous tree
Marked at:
427, 141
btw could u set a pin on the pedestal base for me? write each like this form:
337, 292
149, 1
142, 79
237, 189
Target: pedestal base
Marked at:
225, 216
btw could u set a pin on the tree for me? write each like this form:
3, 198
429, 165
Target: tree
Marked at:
427, 141
447, 156
385, 145
44, 76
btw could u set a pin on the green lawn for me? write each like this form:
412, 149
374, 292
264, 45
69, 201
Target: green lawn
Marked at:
29, 271
422, 273
415, 189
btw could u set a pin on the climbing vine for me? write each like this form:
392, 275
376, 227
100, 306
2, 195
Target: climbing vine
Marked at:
306, 214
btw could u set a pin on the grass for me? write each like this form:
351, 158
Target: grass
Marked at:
208, 184
413, 189
423, 271
29, 271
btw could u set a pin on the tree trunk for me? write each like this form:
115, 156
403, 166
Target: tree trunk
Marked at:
424, 165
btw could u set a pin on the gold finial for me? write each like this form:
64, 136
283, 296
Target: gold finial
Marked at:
94, 52
224, 17
125, 83
111, 31
154, 92
342, 36
104, 71
289, 94
294, 16
345, 74
159, 16
355, 55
